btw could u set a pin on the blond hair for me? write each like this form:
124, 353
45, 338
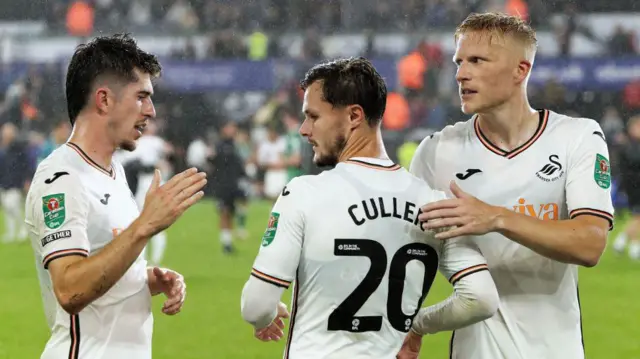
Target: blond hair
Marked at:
499, 23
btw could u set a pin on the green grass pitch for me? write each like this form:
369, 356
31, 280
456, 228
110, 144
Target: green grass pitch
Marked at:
210, 325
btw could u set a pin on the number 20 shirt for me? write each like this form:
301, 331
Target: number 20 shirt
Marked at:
350, 240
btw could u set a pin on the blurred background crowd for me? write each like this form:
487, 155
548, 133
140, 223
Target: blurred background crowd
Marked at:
231, 70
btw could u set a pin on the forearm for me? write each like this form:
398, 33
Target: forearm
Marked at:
259, 303
88, 279
568, 241
475, 299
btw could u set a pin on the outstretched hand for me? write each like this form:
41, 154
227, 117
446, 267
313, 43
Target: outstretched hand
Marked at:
275, 330
459, 216
174, 288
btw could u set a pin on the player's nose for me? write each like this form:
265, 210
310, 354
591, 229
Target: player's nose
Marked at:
462, 74
149, 110
305, 128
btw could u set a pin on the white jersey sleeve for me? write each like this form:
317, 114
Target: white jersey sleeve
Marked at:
460, 257
59, 210
588, 188
475, 296
279, 254
423, 161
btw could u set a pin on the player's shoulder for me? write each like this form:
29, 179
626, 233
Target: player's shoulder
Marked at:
456, 133
311, 188
303, 183
57, 171
572, 124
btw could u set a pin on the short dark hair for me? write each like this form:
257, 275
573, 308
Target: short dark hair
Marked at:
117, 56
351, 81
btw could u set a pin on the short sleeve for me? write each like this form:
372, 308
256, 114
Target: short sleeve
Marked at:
423, 161
279, 255
461, 257
588, 187
59, 212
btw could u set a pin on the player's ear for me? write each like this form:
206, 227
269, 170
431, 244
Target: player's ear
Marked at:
522, 71
103, 99
356, 115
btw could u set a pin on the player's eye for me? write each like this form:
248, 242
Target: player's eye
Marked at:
475, 60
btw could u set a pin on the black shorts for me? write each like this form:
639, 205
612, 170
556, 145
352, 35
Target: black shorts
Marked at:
260, 173
228, 197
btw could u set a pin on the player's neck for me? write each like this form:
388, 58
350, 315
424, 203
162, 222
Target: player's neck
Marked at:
93, 141
364, 143
510, 125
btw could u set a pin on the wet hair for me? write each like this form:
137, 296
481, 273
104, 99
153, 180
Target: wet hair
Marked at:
351, 81
499, 23
115, 56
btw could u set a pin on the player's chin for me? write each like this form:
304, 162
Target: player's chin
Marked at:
128, 145
324, 160
468, 108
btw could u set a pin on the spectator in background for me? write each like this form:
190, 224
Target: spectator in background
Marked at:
270, 161
292, 155
80, 18
630, 184
397, 114
182, 16
411, 72
612, 126
59, 135
245, 152
622, 43
517, 8
227, 170
14, 181
198, 152
140, 13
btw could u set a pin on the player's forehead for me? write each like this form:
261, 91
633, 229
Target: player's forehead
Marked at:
482, 41
314, 98
143, 83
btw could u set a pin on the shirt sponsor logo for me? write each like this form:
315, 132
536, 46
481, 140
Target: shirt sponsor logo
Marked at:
545, 211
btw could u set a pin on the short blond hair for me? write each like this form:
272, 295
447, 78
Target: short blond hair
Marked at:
499, 23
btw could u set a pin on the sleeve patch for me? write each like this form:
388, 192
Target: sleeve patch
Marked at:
272, 227
602, 171
55, 236
53, 209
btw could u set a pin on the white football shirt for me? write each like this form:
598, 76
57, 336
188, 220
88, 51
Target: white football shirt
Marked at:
362, 265
560, 173
76, 207
150, 149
